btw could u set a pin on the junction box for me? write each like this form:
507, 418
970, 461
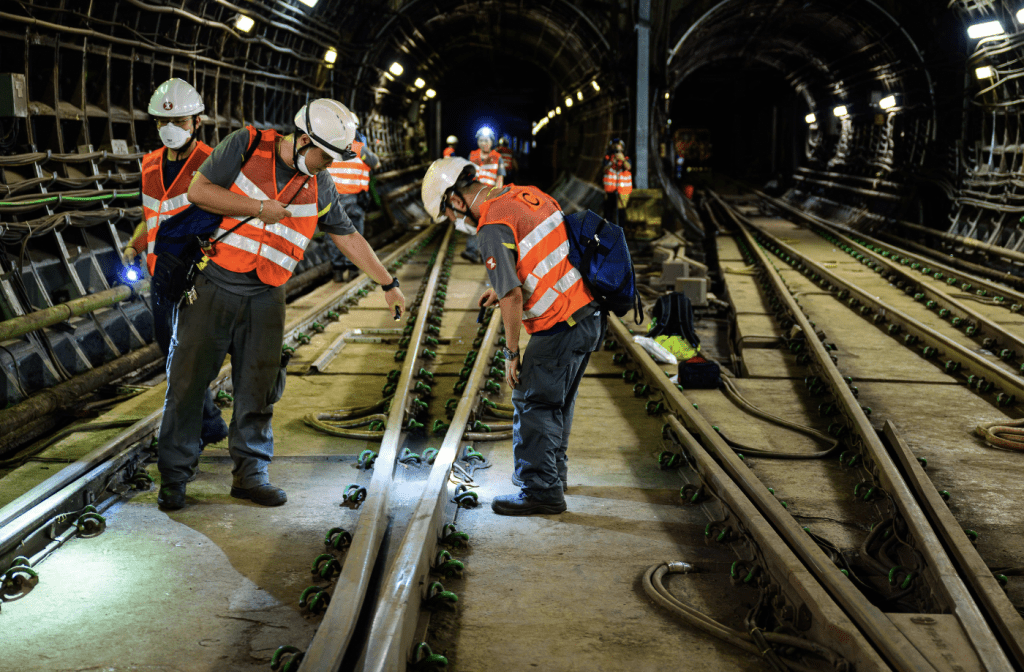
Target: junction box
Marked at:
13, 95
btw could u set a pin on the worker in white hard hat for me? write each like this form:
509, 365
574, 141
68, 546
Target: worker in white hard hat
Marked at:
490, 171
452, 141
524, 243
166, 174
272, 205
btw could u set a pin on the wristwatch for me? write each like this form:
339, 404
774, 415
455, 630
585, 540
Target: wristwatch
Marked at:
391, 285
509, 355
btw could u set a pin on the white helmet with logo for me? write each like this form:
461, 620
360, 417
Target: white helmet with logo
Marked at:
175, 98
330, 125
441, 176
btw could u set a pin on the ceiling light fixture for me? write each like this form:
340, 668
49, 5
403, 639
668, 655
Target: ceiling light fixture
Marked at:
594, 84
887, 103
810, 118
431, 93
244, 23
331, 56
558, 109
987, 29
396, 69
840, 111
579, 95
984, 72
309, 3
568, 101
419, 83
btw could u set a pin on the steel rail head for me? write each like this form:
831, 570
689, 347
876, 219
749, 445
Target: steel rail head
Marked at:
996, 288
944, 347
394, 624
332, 639
939, 569
862, 616
941, 298
997, 605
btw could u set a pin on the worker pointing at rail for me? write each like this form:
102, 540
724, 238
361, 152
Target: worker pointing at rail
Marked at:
525, 246
490, 171
166, 175
272, 205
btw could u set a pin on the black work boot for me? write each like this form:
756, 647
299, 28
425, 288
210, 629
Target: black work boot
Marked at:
266, 494
522, 504
171, 497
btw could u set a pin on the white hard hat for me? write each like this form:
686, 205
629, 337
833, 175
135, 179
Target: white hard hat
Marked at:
441, 176
452, 140
330, 125
175, 98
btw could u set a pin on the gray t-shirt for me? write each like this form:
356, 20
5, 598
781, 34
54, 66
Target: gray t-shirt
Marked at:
223, 166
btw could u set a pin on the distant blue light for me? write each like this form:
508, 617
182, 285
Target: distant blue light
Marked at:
485, 130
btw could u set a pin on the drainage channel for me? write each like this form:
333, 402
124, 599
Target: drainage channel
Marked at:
944, 584
54, 508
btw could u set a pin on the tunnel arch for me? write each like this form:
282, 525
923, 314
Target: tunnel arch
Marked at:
829, 54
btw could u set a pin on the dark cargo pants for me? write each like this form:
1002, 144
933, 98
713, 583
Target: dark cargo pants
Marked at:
250, 329
357, 215
163, 326
544, 402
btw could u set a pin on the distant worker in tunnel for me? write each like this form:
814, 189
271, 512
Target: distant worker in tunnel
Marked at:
166, 174
490, 172
618, 181
508, 159
524, 242
452, 141
352, 180
272, 205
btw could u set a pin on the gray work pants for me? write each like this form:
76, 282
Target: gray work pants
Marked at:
350, 202
250, 329
544, 401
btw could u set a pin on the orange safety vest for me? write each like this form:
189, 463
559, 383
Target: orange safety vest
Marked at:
448, 151
486, 172
351, 177
552, 288
158, 202
617, 180
272, 249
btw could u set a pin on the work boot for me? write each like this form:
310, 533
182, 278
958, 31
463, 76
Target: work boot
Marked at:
518, 482
522, 504
171, 497
216, 435
265, 495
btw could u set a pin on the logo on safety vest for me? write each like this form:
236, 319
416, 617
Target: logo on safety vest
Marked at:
168, 105
491, 263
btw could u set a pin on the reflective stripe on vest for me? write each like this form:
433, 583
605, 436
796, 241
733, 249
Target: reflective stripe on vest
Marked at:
486, 173
625, 182
611, 180
351, 177
157, 203
551, 287
273, 250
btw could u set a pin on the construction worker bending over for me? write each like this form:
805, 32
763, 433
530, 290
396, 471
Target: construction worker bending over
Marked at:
240, 308
450, 149
490, 171
352, 180
166, 174
525, 247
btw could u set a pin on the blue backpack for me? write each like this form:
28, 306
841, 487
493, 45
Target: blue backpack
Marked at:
598, 250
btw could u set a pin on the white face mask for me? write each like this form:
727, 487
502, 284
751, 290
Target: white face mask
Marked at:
460, 223
174, 137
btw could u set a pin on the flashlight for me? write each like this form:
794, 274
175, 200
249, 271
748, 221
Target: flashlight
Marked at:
132, 274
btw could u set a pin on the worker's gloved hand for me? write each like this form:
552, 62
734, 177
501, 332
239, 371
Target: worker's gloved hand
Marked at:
129, 254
